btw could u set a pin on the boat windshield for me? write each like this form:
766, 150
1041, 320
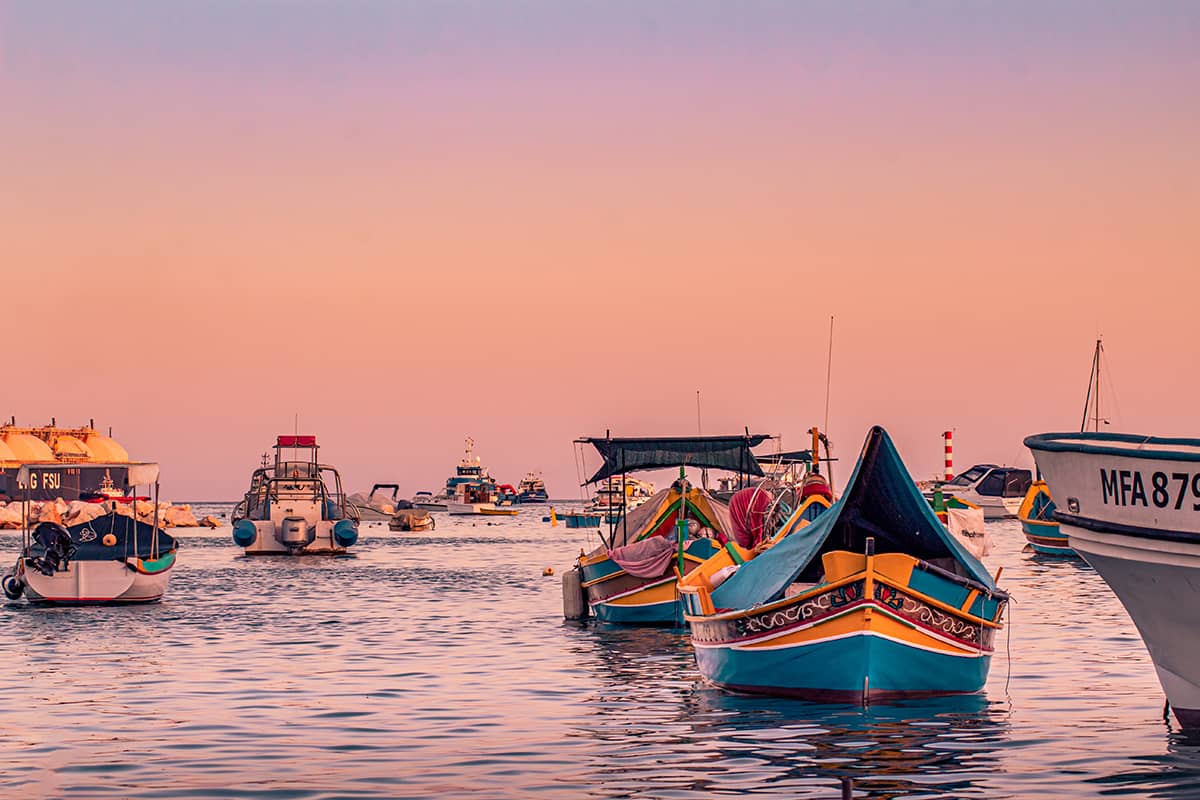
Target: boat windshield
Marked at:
969, 477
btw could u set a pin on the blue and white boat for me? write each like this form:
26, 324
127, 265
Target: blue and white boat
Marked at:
112, 558
874, 599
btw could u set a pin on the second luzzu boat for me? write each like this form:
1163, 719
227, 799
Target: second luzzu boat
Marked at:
630, 578
874, 599
295, 506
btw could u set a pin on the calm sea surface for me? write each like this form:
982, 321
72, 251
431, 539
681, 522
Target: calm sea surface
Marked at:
438, 665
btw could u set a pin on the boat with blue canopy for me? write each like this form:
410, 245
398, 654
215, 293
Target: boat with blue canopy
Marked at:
630, 578
872, 599
113, 557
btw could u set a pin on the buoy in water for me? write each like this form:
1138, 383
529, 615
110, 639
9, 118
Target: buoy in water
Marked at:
548, 571
574, 600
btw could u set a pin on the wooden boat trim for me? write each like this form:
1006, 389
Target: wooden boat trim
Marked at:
858, 576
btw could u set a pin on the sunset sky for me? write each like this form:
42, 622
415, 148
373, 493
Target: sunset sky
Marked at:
529, 221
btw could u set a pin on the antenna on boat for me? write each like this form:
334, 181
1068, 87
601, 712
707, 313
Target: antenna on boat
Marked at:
825, 427
700, 432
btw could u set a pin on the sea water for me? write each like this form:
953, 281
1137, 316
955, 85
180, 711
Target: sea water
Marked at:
437, 664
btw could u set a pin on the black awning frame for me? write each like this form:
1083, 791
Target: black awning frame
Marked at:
637, 454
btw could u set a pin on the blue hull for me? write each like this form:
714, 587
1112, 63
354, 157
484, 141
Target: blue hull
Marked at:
1047, 540
838, 670
659, 614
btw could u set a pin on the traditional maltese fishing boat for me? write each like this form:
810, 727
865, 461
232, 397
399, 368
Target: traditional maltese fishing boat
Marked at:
1130, 506
111, 558
873, 599
630, 578
295, 506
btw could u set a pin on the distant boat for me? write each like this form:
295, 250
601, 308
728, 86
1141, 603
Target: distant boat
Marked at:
619, 495
376, 506
1130, 506
408, 518
1038, 524
295, 506
426, 501
997, 490
470, 485
114, 558
532, 489
872, 599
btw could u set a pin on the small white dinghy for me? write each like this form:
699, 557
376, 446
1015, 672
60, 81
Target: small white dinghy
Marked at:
113, 558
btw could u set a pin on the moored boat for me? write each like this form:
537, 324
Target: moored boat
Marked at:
295, 506
376, 505
409, 518
996, 489
467, 490
1041, 529
112, 558
874, 599
630, 577
1130, 506
532, 489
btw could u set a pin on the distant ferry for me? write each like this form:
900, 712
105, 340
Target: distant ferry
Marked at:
71, 463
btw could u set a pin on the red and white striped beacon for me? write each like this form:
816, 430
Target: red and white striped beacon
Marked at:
949, 437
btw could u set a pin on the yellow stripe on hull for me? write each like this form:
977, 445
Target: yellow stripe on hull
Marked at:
663, 592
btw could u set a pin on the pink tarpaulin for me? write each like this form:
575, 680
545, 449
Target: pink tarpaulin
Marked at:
648, 558
748, 512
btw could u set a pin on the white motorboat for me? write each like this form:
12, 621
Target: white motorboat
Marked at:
999, 491
296, 506
1130, 505
374, 506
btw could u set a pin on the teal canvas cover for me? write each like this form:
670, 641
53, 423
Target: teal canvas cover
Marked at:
881, 501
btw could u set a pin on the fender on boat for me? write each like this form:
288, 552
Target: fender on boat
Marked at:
244, 533
345, 532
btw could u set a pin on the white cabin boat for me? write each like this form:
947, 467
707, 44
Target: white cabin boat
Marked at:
296, 506
999, 491
1130, 506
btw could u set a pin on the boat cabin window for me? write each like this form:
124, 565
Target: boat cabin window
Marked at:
969, 477
1017, 482
992, 485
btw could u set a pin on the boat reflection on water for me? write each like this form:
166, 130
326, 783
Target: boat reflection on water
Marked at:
660, 730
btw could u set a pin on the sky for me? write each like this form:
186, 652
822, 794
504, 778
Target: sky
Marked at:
408, 223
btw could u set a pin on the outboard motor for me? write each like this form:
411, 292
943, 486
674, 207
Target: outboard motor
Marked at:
13, 586
57, 546
295, 533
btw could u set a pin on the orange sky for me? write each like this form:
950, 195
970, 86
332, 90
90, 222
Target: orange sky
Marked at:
412, 224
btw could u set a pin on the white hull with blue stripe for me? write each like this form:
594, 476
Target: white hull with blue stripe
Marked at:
1130, 506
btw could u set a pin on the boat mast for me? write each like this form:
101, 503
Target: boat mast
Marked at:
700, 432
1092, 400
